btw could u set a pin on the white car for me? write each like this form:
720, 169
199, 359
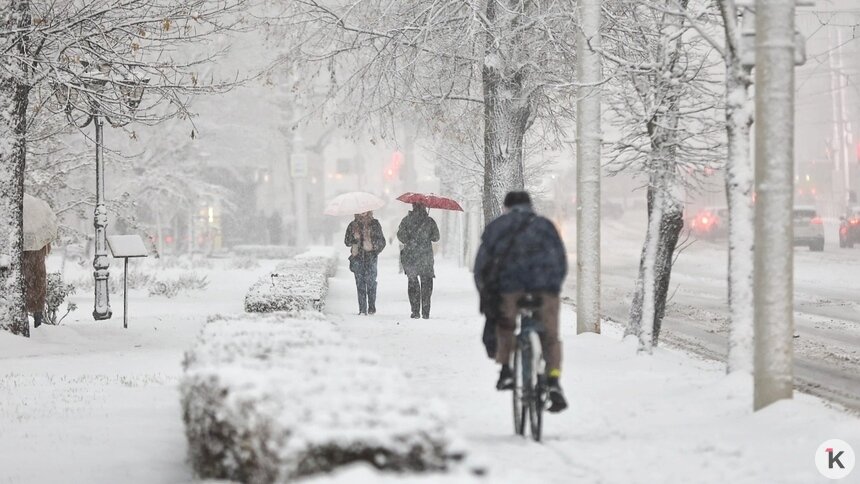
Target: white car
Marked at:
808, 228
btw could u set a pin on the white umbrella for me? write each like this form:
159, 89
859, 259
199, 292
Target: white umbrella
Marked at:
40, 223
352, 203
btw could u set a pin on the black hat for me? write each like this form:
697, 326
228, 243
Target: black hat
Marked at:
517, 198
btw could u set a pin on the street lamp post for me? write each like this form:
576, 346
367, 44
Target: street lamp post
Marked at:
91, 86
101, 264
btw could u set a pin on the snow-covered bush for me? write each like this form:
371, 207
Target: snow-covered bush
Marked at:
245, 262
270, 398
171, 287
295, 285
266, 251
57, 292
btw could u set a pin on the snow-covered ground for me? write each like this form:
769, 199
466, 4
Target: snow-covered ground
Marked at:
667, 418
92, 403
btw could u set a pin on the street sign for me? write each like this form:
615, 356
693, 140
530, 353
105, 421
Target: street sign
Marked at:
126, 247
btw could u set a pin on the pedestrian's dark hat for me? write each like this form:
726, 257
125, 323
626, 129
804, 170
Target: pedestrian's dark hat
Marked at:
517, 198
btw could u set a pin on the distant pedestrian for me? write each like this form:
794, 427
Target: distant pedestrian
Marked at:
35, 283
417, 232
365, 239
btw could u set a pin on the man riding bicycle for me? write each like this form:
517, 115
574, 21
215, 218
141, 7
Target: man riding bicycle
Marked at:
522, 253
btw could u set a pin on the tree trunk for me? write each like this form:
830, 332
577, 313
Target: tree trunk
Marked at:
665, 221
13, 126
739, 186
506, 118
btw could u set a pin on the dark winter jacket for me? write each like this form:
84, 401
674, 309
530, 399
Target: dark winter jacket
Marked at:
360, 256
520, 251
417, 232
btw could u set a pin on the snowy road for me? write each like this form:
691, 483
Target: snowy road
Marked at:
827, 306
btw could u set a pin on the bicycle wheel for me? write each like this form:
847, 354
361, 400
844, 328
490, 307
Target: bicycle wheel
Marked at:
519, 409
536, 388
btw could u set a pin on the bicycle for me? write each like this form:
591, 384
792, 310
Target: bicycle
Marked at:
529, 368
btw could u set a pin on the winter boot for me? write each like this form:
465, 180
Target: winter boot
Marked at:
557, 402
506, 379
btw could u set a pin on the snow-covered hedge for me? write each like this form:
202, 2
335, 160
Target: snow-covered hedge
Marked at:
266, 251
295, 285
268, 398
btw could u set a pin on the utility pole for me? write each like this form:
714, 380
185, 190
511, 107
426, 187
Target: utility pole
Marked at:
588, 132
847, 131
774, 251
840, 183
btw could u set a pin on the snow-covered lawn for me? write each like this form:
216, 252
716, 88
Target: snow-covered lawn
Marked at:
92, 403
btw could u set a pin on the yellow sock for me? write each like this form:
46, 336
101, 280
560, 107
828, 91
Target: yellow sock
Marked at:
555, 373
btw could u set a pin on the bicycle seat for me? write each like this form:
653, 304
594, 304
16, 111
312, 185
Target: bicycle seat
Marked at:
529, 301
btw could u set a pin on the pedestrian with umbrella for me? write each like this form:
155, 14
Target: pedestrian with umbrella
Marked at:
40, 229
417, 232
365, 240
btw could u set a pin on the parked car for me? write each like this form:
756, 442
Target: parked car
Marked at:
849, 228
710, 223
808, 228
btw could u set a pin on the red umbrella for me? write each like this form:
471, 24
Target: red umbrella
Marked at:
430, 201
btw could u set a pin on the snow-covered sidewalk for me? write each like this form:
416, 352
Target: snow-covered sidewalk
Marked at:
661, 419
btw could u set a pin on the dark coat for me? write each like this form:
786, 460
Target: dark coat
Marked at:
377, 239
417, 232
35, 279
520, 251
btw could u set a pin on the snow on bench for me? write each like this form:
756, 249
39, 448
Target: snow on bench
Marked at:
298, 284
268, 398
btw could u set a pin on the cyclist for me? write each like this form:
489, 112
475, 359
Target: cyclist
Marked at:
521, 252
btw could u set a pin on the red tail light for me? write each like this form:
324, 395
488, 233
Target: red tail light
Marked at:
855, 221
816, 221
705, 221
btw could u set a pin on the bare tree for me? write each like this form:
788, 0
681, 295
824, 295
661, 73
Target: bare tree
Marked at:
720, 25
53, 47
496, 63
663, 104
13, 109
739, 188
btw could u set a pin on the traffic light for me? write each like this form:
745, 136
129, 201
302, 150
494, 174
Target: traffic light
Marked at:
392, 171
